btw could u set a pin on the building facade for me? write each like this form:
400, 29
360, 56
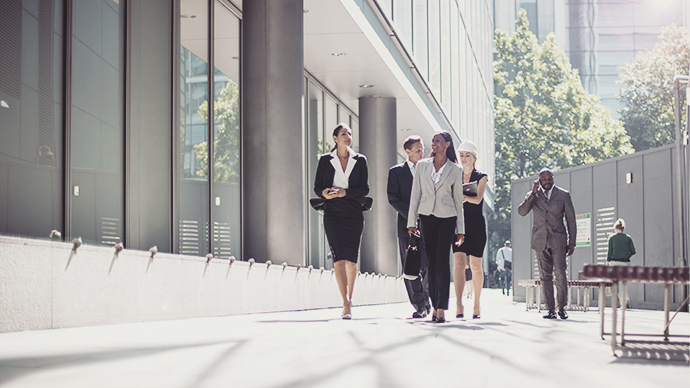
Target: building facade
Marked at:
196, 125
598, 36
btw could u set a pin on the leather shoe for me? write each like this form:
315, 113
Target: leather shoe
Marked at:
419, 314
562, 314
440, 320
475, 316
550, 315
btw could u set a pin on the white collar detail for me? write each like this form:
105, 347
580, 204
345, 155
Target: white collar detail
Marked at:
341, 178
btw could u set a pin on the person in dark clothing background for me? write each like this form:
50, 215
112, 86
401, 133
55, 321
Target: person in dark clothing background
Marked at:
621, 249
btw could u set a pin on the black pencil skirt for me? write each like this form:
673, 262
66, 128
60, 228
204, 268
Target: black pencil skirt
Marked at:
344, 233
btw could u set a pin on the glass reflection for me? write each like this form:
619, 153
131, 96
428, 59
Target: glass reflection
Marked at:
226, 78
97, 121
31, 152
193, 131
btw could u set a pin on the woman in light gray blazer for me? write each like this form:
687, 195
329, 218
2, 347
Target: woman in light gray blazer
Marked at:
437, 200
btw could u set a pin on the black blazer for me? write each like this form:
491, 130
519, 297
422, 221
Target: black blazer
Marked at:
399, 190
358, 180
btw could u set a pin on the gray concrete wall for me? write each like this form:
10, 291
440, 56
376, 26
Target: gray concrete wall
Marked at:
41, 288
647, 204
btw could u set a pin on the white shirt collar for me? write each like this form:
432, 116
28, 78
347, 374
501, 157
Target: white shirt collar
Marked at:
341, 179
411, 165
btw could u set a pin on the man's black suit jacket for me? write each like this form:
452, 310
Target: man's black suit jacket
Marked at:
399, 190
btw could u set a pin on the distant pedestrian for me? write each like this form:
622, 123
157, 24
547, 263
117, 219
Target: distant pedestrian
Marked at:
504, 261
549, 205
621, 249
342, 178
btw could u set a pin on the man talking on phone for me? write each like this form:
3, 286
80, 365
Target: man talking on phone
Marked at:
549, 205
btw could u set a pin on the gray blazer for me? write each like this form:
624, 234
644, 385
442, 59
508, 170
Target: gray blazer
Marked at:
445, 201
547, 218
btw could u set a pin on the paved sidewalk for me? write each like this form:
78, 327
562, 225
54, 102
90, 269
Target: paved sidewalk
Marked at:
380, 347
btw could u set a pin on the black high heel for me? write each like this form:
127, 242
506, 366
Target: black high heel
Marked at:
475, 316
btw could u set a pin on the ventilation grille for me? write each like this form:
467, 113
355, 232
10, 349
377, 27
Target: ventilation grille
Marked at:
189, 238
110, 231
603, 227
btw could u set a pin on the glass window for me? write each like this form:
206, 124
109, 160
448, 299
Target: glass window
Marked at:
434, 48
97, 122
445, 56
615, 14
31, 152
315, 147
402, 17
226, 155
192, 152
386, 6
455, 65
331, 115
421, 36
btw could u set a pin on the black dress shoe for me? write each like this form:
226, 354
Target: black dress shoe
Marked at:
460, 316
562, 314
440, 320
434, 319
550, 315
419, 314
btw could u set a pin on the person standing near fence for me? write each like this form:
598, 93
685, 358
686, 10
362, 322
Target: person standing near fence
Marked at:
621, 249
549, 205
504, 261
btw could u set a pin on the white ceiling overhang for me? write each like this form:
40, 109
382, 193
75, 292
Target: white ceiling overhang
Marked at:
373, 57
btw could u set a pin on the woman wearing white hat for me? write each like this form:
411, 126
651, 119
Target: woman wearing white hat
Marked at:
475, 231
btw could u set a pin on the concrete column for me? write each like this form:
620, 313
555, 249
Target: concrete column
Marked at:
377, 139
272, 141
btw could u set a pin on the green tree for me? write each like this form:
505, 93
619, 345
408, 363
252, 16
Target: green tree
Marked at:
227, 140
648, 115
543, 118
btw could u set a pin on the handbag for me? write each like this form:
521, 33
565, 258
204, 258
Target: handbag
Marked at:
413, 258
507, 265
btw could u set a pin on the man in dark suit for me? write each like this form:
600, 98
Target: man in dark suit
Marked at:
400, 179
549, 205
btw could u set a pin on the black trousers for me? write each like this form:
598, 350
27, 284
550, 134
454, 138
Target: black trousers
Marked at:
418, 289
439, 236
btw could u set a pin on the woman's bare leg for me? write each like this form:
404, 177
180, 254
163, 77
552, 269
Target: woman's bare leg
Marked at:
459, 278
340, 268
477, 281
351, 269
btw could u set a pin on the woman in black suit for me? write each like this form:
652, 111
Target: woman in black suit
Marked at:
342, 178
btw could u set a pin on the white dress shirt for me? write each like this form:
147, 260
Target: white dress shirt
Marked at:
341, 178
436, 175
412, 166
504, 254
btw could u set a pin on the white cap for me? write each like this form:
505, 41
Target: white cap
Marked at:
468, 146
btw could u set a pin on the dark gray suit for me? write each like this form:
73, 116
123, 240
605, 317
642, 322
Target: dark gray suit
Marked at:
549, 238
399, 190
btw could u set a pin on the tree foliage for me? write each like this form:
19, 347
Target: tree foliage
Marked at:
227, 139
648, 115
543, 118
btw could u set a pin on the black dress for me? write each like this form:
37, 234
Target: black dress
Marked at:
475, 226
343, 219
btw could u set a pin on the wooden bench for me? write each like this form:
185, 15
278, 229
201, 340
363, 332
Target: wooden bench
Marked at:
533, 288
668, 276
